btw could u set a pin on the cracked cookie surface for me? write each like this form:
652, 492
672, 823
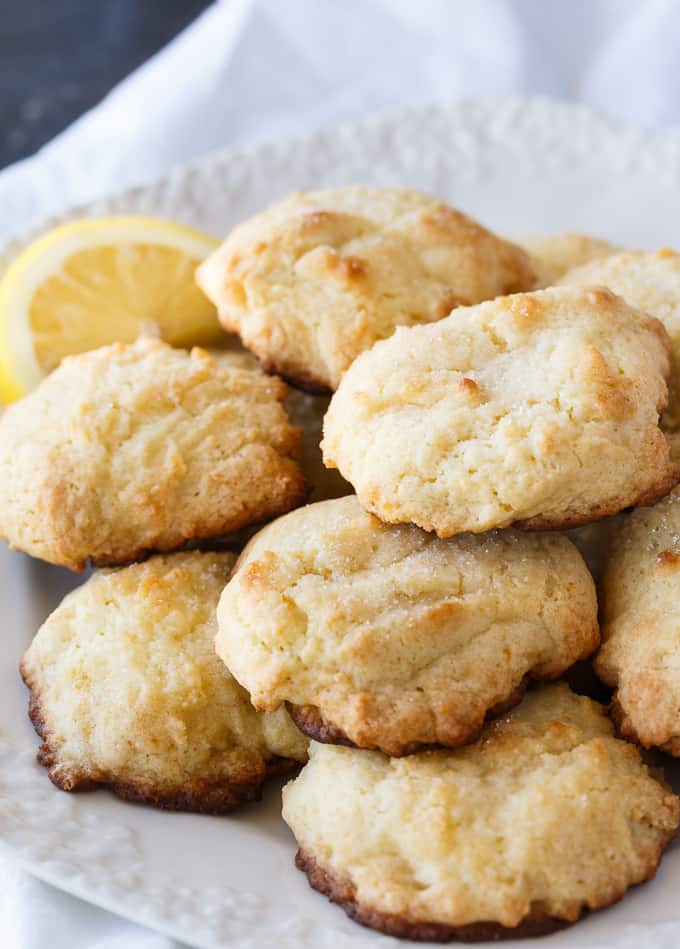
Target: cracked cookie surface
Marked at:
539, 409
545, 817
135, 448
650, 282
317, 278
389, 637
640, 602
126, 691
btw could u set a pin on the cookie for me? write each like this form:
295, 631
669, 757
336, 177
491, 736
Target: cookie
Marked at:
640, 601
126, 691
391, 638
545, 817
539, 409
305, 412
651, 282
319, 277
130, 449
552, 255
648, 281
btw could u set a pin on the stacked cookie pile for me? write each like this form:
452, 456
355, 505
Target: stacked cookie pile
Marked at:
397, 620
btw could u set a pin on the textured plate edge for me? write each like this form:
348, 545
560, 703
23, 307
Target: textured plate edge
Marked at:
594, 135
111, 905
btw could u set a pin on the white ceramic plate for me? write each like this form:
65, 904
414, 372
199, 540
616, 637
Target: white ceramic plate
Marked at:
521, 166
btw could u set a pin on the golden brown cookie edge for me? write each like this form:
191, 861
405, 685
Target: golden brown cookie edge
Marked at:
311, 722
539, 522
343, 893
647, 498
197, 797
122, 556
624, 721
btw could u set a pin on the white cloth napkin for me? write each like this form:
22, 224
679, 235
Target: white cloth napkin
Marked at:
257, 69
250, 70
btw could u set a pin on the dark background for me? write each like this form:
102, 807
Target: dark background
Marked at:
58, 58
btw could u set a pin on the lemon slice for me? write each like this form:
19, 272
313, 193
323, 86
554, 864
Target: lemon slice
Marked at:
97, 281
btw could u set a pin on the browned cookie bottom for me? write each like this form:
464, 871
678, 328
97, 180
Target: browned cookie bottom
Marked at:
572, 519
343, 893
196, 796
294, 375
625, 728
312, 723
